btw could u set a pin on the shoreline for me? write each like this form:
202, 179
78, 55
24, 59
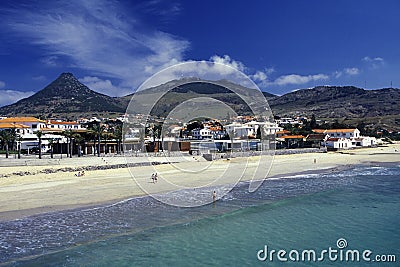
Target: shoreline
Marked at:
30, 195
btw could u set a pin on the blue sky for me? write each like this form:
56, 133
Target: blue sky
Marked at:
114, 46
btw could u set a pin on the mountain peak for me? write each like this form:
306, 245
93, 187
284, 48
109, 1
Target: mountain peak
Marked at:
66, 75
66, 95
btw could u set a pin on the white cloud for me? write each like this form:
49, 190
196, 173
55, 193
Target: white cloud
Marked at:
376, 59
227, 60
375, 62
2, 84
299, 79
99, 36
347, 71
352, 71
259, 76
104, 86
217, 68
12, 96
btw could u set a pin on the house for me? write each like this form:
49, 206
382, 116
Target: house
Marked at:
316, 140
204, 133
33, 124
64, 125
364, 141
291, 141
338, 143
269, 128
344, 133
340, 133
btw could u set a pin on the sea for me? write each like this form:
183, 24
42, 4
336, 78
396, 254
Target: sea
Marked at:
347, 217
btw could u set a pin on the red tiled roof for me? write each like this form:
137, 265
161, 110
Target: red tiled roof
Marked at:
7, 125
334, 130
333, 139
318, 130
21, 120
318, 136
292, 137
282, 132
340, 130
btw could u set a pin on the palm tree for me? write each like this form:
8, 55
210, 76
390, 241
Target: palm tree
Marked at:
231, 137
19, 139
6, 137
118, 137
79, 138
51, 145
69, 135
98, 129
39, 136
105, 138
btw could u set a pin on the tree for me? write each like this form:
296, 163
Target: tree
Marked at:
118, 137
51, 145
78, 138
313, 122
39, 136
6, 137
106, 136
97, 129
337, 125
231, 136
258, 133
69, 135
19, 139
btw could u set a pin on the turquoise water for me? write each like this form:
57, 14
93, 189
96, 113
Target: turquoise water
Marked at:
311, 211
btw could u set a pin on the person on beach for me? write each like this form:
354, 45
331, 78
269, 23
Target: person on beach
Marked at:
152, 178
83, 173
214, 196
78, 174
155, 178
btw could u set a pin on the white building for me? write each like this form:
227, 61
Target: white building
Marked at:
32, 124
338, 143
364, 141
269, 128
204, 133
340, 133
64, 125
26, 128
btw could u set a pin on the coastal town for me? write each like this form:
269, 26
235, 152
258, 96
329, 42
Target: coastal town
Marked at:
23, 136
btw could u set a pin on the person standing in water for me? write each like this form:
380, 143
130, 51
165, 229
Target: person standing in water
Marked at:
214, 196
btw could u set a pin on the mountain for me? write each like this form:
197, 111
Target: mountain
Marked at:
66, 97
348, 105
179, 91
337, 102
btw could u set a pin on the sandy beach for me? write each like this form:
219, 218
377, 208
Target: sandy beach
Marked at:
41, 191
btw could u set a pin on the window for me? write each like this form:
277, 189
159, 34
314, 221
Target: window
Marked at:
34, 126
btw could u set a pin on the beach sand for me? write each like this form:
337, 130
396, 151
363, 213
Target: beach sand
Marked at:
40, 192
